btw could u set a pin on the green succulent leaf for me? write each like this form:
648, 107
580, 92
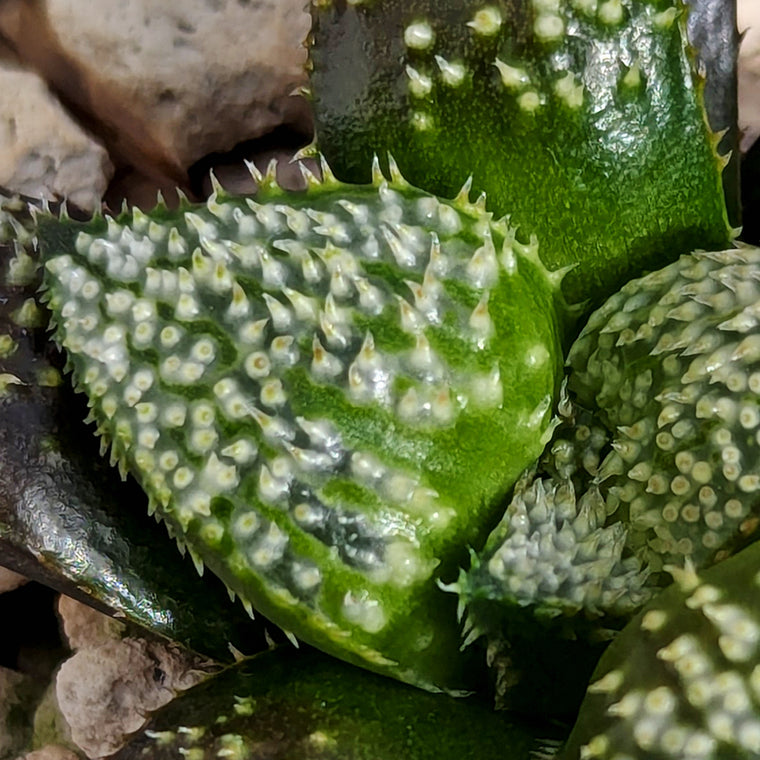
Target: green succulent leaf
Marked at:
582, 119
304, 706
664, 472
713, 32
66, 518
317, 392
671, 363
682, 680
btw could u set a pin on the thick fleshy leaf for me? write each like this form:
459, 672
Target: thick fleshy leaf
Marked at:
317, 391
682, 680
672, 365
581, 119
305, 706
66, 518
713, 32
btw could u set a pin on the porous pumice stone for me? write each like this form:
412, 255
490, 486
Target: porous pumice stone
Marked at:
105, 691
682, 681
9, 580
84, 626
44, 153
672, 363
51, 752
174, 82
326, 395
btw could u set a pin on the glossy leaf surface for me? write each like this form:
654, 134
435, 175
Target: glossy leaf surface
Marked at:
317, 390
582, 120
68, 520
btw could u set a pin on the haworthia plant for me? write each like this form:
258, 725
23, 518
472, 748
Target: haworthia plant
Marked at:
682, 680
555, 575
305, 706
670, 366
326, 395
556, 550
582, 119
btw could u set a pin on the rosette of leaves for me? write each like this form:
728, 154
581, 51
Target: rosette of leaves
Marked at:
327, 396
664, 473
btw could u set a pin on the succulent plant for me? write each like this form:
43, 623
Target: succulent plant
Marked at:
550, 106
348, 403
312, 391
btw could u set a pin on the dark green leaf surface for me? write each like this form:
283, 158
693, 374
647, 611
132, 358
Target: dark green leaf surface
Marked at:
713, 32
61, 504
682, 680
304, 706
581, 119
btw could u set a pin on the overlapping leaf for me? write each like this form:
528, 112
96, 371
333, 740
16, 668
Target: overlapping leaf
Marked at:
289, 706
581, 119
66, 518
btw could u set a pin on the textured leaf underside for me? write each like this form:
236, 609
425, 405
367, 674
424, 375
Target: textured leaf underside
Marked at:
682, 680
580, 118
325, 395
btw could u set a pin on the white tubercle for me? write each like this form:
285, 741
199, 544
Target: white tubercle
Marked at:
419, 35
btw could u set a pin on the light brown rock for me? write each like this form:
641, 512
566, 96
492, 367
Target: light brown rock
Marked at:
51, 752
748, 16
43, 152
84, 626
105, 692
9, 581
168, 83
